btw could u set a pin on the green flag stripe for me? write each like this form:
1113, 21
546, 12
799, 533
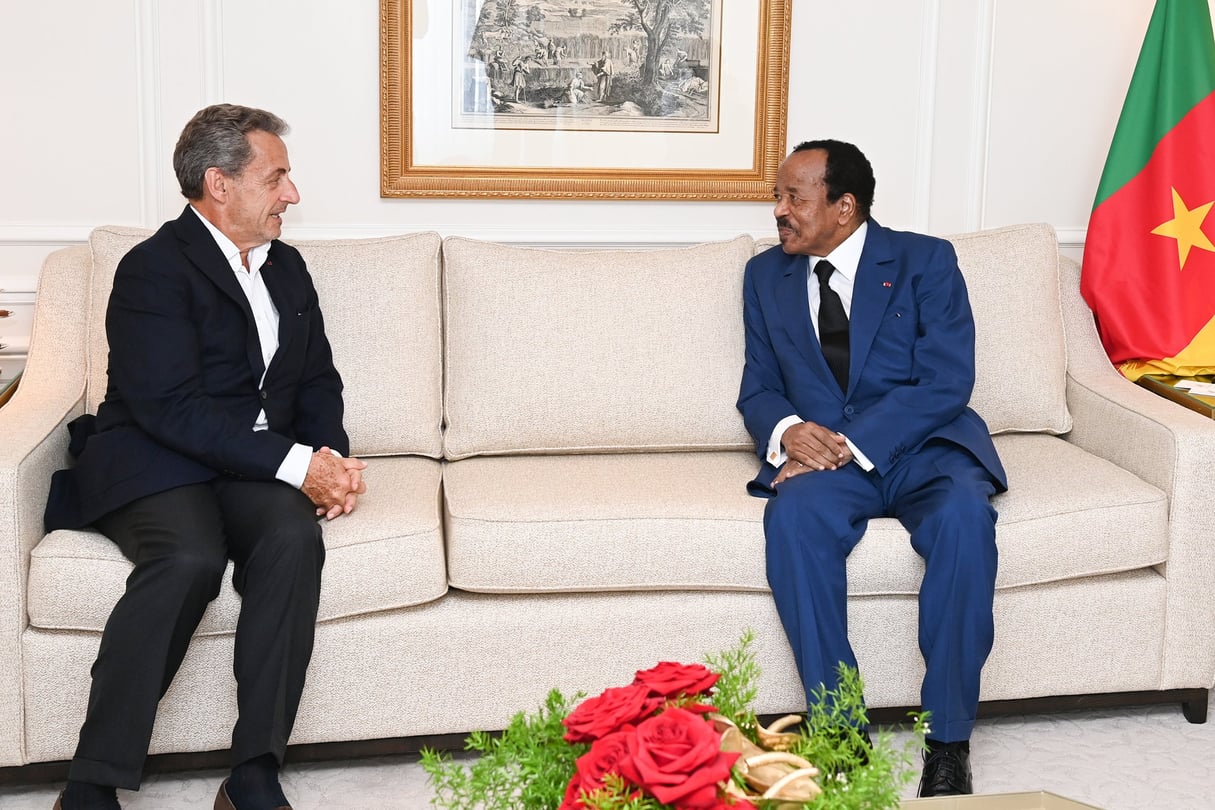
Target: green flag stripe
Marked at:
1175, 71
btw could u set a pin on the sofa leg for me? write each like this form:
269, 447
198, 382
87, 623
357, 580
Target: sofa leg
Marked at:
1195, 709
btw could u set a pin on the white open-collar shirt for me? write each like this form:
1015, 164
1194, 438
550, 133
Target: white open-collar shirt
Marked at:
294, 468
846, 258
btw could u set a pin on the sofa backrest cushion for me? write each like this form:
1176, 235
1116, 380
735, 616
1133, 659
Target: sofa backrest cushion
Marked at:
1012, 278
552, 351
381, 303
380, 298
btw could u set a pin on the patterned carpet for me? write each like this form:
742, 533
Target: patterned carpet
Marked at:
1131, 759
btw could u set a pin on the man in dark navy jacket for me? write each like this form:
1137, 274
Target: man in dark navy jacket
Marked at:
859, 367
220, 437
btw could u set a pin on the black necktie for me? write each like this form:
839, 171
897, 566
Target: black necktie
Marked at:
832, 325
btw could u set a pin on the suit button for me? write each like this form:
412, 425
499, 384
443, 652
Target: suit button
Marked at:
849, 410
264, 395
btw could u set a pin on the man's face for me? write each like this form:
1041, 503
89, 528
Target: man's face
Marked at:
806, 223
259, 195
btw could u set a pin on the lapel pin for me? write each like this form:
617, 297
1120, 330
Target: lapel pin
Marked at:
885, 283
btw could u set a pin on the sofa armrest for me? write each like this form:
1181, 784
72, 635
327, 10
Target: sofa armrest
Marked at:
34, 445
1168, 446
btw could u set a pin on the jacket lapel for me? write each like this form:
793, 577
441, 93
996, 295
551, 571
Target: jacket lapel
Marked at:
277, 284
200, 248
871, 293
793, 301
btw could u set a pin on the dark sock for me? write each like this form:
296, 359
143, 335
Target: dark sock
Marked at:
87, 796
254, 785
937, 745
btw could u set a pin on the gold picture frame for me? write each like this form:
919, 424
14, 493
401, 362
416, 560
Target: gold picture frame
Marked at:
676, 124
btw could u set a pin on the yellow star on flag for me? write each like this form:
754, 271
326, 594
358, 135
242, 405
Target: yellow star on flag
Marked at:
1186, 228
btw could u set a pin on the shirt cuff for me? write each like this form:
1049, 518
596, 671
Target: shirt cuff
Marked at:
776, 452
294, 468
859, 457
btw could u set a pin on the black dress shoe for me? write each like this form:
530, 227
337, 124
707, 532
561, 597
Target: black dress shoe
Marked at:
224, 802
946, 769
93, 797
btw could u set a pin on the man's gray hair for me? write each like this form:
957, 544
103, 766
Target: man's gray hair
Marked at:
216, 136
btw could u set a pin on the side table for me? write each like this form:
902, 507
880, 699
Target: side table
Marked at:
8, 388
1166, 386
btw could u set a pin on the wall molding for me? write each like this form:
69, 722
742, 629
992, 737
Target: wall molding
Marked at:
148, 106
63, 235
926, 117
1072, 237
54, 236
623, 237
213, 51
980, 135
38, 235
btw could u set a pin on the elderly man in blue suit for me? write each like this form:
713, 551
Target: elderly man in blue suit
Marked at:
220, 437
859, 367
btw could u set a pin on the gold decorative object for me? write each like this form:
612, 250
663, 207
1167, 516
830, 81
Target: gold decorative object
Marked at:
775, 775
775, 738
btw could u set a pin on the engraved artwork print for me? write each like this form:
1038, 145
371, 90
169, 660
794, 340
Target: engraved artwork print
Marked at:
622, 65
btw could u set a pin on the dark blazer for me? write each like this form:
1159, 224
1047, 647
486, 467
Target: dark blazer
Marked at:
912, 358
184, 371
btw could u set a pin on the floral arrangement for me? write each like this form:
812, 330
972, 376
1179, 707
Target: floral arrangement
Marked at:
681, 737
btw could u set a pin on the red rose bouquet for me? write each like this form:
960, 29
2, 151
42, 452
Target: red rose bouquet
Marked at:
653, 735
679, 737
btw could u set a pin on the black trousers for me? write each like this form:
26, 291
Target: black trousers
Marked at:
180, 542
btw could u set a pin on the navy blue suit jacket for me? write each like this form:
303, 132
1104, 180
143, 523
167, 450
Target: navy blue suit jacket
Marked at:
184, 370
912, 355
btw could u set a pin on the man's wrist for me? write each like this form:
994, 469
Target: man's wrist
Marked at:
294, 468
776, 451
860, 458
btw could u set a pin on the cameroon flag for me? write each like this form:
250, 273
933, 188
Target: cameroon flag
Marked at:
1149, 259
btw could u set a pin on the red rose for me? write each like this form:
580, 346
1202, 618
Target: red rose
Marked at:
676, 757
603, 758
670, 679
573, 793
738, 804
599, 716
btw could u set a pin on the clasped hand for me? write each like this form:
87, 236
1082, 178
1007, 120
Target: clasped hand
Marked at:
812, 448
334, 483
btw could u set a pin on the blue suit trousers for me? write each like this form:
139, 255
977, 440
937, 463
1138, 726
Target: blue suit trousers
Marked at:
941, 495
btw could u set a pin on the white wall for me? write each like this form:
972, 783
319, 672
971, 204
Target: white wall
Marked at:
975, 113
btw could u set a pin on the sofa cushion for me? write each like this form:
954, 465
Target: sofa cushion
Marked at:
683, 521
381, 303
652, 521
1012, 277
108, 244
552, 351
1067, 514
387, 554
387, 345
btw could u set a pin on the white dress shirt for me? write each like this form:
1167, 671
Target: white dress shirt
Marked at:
846, 258
294, 468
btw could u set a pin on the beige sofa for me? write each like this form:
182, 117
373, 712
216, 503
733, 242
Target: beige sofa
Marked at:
557, 498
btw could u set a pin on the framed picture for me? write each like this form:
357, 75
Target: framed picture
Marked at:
610, 99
